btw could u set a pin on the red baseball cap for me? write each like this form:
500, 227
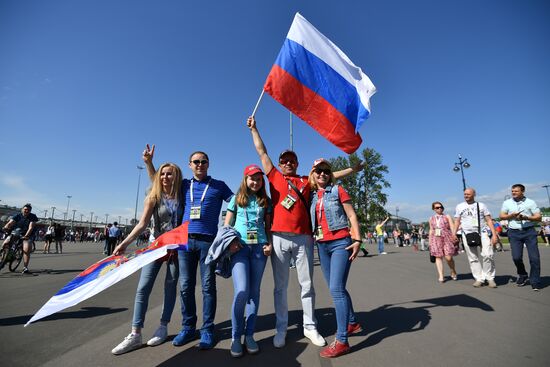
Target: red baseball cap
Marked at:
252, 169
319, 161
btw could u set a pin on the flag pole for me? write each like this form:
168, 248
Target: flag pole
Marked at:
291, 137
258, 103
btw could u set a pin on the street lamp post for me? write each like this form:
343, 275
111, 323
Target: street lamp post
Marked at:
72, 222
458, 167
68, 202
140, 168
91, 218
397, 217
547, 194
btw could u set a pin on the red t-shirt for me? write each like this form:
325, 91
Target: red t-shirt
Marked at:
295, 219
329, 235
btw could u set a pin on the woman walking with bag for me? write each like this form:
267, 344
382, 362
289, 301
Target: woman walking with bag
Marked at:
443, 241
249, 212
164, 204
338, 245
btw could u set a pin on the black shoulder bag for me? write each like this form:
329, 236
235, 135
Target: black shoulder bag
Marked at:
474, 239
302, 198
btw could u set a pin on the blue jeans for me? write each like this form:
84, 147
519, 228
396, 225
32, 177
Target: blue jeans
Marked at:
517, 238
380, 244
146, 281
335, 265
189, 259
247, 269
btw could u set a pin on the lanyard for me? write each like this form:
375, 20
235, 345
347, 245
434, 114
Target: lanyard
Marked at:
437, 220
518, 205
301, 189
203, 193
321, 203
257, 215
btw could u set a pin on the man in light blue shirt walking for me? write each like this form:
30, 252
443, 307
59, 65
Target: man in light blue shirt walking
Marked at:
522, 214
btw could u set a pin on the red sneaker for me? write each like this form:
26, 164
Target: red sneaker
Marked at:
336, 349
354, 328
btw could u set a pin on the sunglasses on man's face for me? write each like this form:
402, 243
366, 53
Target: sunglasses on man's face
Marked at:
326, 171
287, 161
196, 162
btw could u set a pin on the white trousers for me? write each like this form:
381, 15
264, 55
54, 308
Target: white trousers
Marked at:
482, 264
300, 248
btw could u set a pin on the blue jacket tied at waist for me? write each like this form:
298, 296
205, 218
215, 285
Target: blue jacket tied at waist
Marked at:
219, 251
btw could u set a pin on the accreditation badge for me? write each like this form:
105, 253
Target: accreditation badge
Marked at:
288, 202
251, 237
319, 233
195, 212
438, 232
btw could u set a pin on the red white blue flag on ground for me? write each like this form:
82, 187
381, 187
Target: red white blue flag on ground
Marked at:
315, 80
111, 270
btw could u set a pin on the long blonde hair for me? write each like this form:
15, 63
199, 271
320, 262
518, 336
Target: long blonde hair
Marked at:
244, 193
155, 194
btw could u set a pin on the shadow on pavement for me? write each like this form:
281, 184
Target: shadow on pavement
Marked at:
390, 320
37, 272
84, 313
381, 323
270, 356
57, 271
504, 279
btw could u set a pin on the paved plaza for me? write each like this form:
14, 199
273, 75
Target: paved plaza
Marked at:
409, 318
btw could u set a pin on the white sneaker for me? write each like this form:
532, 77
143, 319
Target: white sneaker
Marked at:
279, 340
131, 342
315, 337
159, 336
383, 253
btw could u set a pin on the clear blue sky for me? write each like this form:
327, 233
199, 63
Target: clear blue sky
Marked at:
84, 85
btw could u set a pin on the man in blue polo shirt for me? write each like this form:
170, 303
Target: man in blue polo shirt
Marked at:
522, 214
203, 201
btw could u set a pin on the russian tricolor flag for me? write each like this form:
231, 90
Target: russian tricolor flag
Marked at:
111, 270
315, 80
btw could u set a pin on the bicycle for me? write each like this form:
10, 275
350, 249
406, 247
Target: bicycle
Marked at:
12, 254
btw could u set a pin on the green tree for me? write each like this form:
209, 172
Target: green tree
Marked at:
366, 187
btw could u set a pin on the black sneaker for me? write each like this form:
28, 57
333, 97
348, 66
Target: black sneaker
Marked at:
522, 280
536, 288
